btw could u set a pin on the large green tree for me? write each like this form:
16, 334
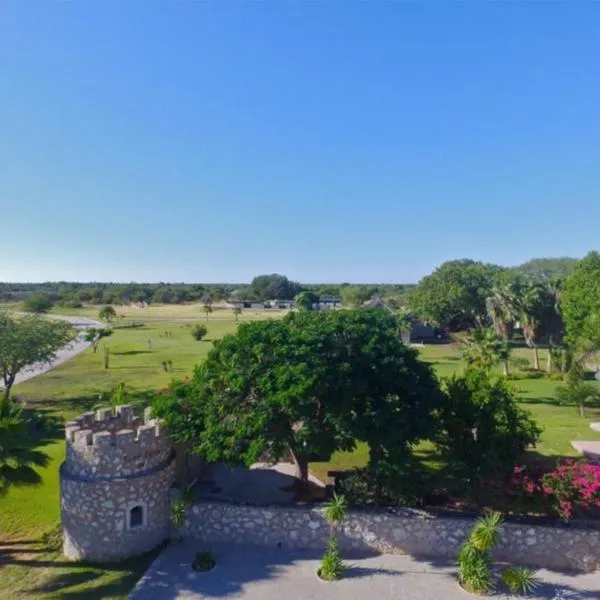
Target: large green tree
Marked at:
580, 297
27, 341
306, 300
454, 295
306, 386
273, 287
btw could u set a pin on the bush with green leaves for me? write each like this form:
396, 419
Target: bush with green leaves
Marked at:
199, 332
39, 303
332, 567
178, 510
204, 561
482, 429
519, 580
474, 561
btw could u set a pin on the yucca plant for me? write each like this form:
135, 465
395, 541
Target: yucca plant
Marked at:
474, 569
177, 514
520, 580
336, 509
332, 567
486, 532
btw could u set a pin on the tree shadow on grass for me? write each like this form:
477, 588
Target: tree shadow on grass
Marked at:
75, 581
131, 352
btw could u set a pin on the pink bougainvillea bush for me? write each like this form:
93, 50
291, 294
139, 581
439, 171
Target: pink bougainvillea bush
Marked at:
571, 487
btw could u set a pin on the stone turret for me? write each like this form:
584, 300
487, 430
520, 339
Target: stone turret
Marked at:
115, 485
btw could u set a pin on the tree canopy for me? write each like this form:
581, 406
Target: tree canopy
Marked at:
580, 297
26, 341
274, 287
455, 294
307, 385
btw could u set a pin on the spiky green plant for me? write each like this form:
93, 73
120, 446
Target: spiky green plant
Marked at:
336, 509
519, 580
178, 510
486, 532
332, 567
474, 569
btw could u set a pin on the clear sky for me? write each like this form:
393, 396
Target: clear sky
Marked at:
329, 141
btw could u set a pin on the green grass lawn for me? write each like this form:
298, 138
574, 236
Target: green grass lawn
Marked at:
29, 569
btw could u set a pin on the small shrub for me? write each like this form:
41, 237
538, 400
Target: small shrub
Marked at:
332, 567
52, 539
519, 580
199, 332
335, 511
178, 511
170, 365
40, 303
474, 569
204, 561
165, 366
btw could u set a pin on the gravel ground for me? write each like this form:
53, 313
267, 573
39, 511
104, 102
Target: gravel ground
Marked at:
276, 574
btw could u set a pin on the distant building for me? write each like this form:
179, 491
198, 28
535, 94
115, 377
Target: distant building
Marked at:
328, 302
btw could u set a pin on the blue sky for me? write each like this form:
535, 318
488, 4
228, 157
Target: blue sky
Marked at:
330, 141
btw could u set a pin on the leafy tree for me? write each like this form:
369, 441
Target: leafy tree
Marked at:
308, 385
199, 332
482, 428
580, 297
26, 341
306, 300
454, 295
577, 392
107, 313
354, 296
207, 310
95, 334
40, 303
274, 287
542, 270
18, 455
237, 311
484, 348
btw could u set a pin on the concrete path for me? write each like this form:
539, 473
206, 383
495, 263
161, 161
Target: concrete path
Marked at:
282, 574
65, 353
262, 483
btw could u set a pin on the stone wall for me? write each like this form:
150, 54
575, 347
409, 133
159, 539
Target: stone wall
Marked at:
420, 534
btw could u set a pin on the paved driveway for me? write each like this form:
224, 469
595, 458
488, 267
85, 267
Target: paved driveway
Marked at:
277, 574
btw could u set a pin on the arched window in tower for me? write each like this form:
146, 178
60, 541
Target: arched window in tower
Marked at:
136, 517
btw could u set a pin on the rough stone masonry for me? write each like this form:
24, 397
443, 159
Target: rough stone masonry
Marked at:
115, 485
418, 533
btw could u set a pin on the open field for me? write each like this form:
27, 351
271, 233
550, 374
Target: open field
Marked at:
34, 571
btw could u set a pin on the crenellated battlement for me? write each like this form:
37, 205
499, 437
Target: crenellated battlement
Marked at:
107, 445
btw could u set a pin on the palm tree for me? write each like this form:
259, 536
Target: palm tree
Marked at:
485, 348
577, 392
532, 316
502, 309
207, 310
18, 455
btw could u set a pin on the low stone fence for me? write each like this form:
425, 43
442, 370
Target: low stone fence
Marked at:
575, 546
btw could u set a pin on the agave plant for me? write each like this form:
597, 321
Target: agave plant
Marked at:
520, 580
486, 532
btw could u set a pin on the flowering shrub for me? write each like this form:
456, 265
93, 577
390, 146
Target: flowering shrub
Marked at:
572, 485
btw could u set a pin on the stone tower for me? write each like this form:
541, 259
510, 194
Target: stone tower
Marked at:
114, 485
